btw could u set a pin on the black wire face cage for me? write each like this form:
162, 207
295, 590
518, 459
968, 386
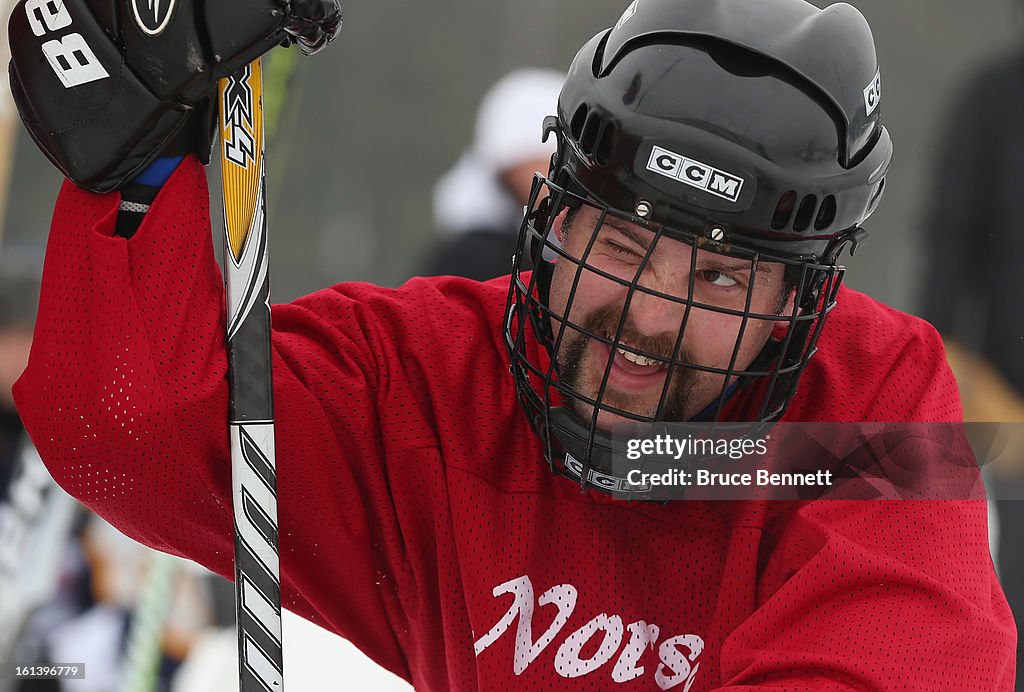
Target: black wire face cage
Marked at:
727, 329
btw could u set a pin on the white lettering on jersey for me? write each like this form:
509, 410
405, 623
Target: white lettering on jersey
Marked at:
678, 654
641, 636
672, 659
527, 650
567, 661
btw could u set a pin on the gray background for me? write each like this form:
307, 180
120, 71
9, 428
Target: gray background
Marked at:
380, 115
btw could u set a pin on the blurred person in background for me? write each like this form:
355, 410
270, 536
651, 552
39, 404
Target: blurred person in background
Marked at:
44, 576
19, 298
69, 582
973, 286
478, 203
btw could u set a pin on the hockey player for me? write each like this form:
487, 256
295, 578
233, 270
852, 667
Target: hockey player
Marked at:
714, 159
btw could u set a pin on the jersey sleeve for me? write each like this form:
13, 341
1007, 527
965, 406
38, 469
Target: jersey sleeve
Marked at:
125, 396
919, 386
880, 593
895, 595
876, 364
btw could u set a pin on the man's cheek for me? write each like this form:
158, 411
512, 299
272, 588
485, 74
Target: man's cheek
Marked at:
584, 300
714, 339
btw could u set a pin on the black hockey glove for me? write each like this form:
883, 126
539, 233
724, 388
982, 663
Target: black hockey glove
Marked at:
104, 86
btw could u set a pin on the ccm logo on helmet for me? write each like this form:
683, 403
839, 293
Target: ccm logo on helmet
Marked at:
70, 57
696, 174
873, 93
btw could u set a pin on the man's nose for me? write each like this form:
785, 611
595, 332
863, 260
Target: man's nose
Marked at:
654, 315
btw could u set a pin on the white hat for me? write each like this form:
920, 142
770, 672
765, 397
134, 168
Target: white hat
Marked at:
509, 125
511, 115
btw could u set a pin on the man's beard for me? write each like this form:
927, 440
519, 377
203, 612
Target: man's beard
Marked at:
574, 374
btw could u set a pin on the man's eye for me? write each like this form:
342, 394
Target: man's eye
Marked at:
620, 250
717, 278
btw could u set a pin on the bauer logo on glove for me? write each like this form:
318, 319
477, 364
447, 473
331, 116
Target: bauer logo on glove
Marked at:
71, 58
152, 16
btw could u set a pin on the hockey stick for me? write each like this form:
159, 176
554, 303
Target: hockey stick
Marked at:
251, 416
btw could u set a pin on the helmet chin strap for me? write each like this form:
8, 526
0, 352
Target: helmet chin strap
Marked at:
591, 461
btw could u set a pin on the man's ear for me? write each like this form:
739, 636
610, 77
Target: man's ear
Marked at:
559, 227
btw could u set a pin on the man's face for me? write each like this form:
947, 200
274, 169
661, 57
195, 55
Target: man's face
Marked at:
712, 339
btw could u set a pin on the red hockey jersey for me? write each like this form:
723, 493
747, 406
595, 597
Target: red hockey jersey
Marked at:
419, 520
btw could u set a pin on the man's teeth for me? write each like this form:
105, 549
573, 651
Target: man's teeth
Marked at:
637, 358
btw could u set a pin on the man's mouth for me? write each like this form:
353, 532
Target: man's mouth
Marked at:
637, 368
632, 372
636, 383
637, 359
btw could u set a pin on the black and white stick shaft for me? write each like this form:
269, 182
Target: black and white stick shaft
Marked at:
251, 418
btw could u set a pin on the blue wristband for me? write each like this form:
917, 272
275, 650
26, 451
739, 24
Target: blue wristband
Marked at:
157, 173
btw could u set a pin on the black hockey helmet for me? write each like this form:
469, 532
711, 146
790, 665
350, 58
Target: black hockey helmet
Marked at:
746, 130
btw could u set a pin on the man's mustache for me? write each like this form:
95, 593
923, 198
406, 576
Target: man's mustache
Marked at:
605, 322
